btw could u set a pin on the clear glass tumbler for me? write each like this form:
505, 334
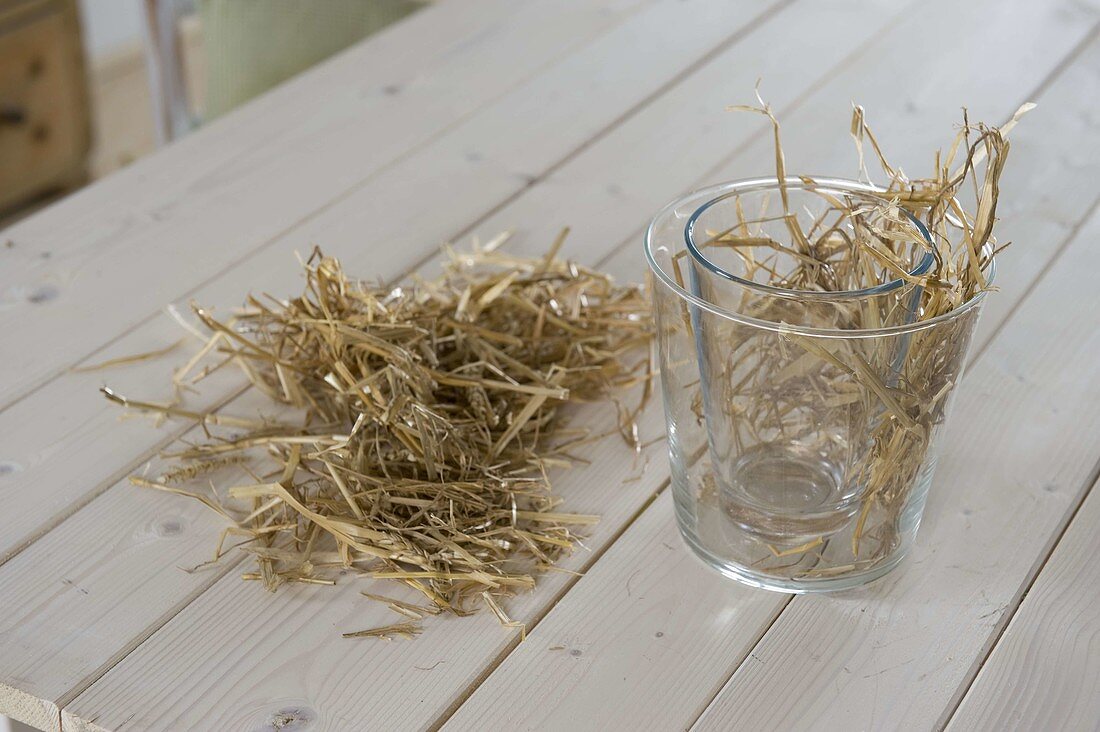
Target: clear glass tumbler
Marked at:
802, 423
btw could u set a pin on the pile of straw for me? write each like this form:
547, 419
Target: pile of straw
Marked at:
431, 417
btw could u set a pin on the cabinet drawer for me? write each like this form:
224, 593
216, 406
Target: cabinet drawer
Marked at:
44, 135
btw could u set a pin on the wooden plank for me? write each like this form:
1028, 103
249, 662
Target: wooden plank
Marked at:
172, 221
1044, 672
258, 678
643, 641
632, 671
643, 36
1021, 453
912, 119
451, 189
71, 434
71, 608
251, 656
925, 115
484, 634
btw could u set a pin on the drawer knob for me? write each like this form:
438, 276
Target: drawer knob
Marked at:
11, 115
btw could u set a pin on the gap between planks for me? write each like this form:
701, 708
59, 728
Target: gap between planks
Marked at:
555, 598
968, 681
128, 469
1042, 661
324, 72
663, 89
1073, 232
1071, 235
615, 251
650, 499
1007, 616
78, 689
722, 46
634, 109
755, 22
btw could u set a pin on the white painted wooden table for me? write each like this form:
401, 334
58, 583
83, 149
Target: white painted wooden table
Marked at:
479, 115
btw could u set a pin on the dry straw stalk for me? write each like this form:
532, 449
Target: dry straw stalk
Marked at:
428, 419
854, 243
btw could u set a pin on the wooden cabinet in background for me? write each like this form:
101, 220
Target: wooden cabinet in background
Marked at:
44, 121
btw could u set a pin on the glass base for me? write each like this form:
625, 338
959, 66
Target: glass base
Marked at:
785, 495
763, 581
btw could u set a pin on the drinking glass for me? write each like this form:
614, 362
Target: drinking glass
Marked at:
802, 423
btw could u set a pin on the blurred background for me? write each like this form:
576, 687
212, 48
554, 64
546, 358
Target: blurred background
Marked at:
88, 86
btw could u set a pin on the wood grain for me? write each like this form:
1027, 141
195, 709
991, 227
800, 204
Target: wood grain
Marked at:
637, 37
643, 641
633, 671
447, 681
140, 682
250, 655
1044, 672
237, 657
624, 676
405, 212
1020, 452
73, 606
158, 229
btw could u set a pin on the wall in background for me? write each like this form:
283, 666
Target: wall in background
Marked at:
110, 26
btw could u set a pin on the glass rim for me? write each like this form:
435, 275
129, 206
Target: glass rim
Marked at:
668, 281
736, 188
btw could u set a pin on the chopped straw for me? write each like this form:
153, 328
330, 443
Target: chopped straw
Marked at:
126, 360
431, 418
857, 243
